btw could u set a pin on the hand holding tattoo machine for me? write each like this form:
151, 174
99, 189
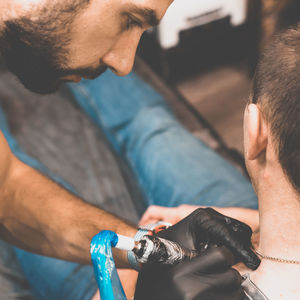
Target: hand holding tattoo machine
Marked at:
171, 246
149, 249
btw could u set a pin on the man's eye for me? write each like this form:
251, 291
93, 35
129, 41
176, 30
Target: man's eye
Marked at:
131, 23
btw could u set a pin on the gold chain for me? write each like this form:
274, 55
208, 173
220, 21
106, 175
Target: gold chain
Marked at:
280, 260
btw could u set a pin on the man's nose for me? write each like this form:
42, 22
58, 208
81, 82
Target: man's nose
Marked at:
121, 57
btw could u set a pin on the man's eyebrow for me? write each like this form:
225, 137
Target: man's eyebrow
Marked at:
148, 14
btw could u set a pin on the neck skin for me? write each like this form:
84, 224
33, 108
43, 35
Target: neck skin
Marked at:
279, 208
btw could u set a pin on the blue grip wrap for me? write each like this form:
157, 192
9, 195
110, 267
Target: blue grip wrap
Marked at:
104, 266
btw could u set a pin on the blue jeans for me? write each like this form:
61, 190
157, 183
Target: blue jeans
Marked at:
170, 165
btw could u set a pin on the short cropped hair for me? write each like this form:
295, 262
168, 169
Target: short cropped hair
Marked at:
276, 88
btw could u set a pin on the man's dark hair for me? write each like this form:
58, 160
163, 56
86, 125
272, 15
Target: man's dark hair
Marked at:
276, 88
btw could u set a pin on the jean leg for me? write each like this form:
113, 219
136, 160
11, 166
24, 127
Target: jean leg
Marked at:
171, 166
13, 284
50, 279
53, 279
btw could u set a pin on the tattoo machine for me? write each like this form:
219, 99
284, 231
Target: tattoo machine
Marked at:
148, 250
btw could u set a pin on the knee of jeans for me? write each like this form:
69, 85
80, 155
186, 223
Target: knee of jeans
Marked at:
150, 122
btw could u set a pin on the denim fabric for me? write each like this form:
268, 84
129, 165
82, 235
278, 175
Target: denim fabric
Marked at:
13, 284
170, 165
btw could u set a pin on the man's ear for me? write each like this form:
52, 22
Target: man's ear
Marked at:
256, 131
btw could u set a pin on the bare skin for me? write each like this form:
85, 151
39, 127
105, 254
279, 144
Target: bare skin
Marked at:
36, 214
276, 227
109, 42
105, 33
279, 209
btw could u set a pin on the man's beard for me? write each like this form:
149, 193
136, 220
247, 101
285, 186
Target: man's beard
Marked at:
31, 57
36, 52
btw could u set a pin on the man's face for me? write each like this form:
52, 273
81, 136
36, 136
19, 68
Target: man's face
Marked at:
66, 40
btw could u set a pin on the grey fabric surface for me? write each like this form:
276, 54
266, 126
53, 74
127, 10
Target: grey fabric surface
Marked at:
54, 131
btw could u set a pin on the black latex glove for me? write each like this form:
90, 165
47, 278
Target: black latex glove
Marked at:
205, 226
206, 277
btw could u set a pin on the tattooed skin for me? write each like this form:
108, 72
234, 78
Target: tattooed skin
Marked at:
152, 249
